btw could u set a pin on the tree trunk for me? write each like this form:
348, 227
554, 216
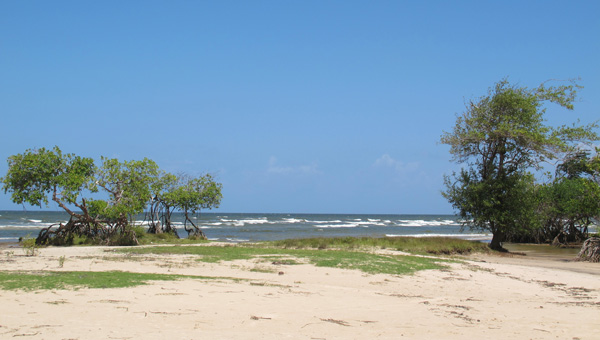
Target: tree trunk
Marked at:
194, 232
497, 239
557, 240
590, 250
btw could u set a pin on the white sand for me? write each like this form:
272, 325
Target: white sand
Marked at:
501, 298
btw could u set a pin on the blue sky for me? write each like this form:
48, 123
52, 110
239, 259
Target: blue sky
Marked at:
295, 106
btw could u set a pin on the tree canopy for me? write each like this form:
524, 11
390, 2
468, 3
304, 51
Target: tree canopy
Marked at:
502, 137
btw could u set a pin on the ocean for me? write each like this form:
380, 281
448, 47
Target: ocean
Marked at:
244, 227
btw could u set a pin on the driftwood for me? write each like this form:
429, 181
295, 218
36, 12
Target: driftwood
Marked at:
590, 250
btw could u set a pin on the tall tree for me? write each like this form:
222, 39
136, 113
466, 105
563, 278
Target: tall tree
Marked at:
501, 137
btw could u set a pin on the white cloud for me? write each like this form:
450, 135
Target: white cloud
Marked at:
399, 167
274, 168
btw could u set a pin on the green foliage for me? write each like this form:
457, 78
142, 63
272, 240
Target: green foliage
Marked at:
38, 174
79, 240
569, 204
98, 209
186, 194
503, 206
146, 238
576, 165
500, 137
126, 238
29, 246
139, 231
128, 184
193, 194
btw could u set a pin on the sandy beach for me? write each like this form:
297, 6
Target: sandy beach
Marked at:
482, 296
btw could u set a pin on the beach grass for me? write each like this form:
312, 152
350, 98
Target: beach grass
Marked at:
44, 280
345, 259
416, 245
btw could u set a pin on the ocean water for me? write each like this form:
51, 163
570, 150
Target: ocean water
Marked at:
241, 227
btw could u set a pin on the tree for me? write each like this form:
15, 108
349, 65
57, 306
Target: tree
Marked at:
36, 174
195, 194
502, 206
128, 185
572, 200
501, 137
161, 208
571, 206
186, 194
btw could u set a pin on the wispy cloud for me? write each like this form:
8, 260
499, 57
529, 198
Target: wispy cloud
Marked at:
399, 167
275, 168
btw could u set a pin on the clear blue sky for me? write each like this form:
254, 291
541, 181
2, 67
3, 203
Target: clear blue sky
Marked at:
295, 106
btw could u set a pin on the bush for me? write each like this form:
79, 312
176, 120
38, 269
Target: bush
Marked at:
29, 246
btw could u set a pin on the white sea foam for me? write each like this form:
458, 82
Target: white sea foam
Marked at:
236, 240
256, 221
423, 223
141, 222
35, 221
334, 221
243, 222
370, 223
20, 226
348, 225
471, 237
293, 220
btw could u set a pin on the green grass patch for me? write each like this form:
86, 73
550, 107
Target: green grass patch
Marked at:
417, 245
209, 253
29, 281
345, 259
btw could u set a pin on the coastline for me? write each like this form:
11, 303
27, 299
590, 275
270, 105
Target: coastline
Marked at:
487, 296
